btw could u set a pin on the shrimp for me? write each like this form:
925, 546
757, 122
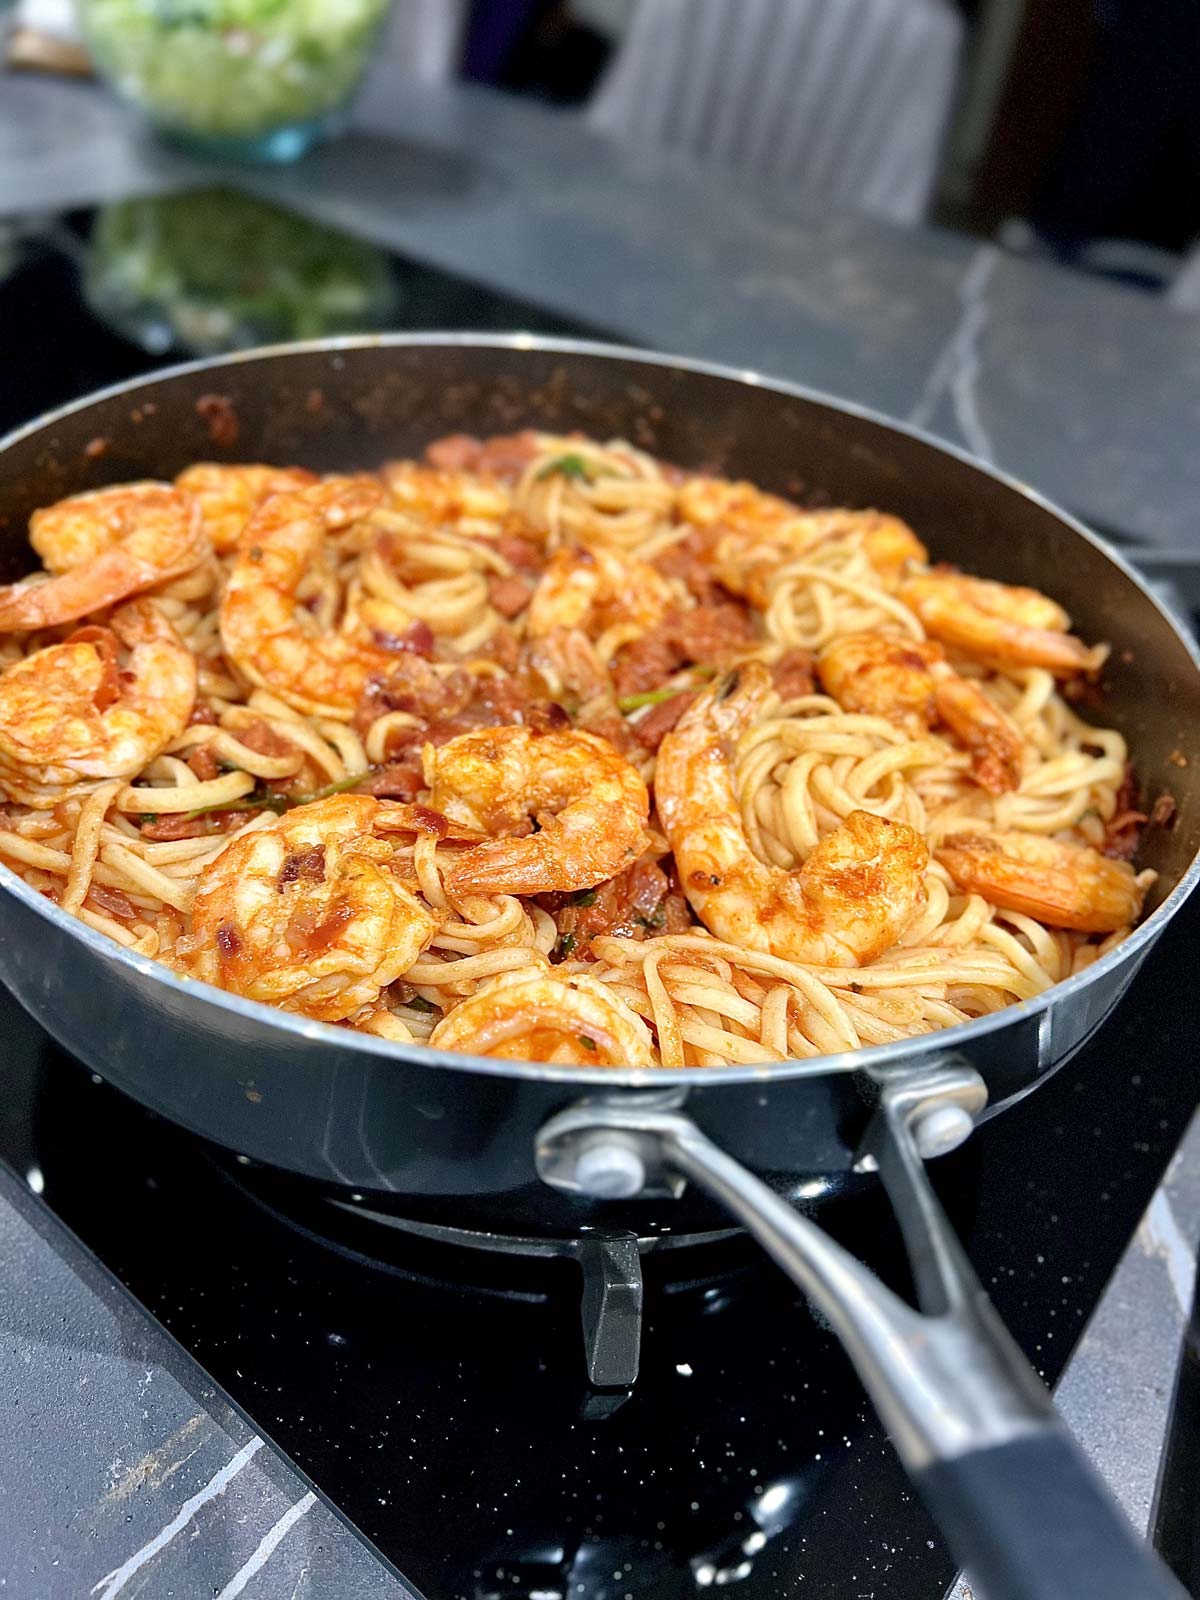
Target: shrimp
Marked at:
910, 682
229, 496
72, 716
566, 662
575, 1021
999, 623
595, 590
1062, 885
736, 507
590, 806
309, 913
761, 532
750, 533
891, 546
271, 639
888, 543
849, 902
448, 498
104, 546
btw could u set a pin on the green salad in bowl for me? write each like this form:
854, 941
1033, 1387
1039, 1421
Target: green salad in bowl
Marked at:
255, 79
215, 270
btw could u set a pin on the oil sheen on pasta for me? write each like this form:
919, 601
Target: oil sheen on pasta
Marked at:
542, 749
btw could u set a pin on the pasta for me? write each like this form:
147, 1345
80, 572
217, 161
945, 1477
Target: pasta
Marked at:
544, 749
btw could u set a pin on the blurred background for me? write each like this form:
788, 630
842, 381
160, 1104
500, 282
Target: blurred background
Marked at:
1068, 129
982, 216
1065, 127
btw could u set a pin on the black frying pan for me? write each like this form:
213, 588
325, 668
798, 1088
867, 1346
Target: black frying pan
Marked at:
509, 1147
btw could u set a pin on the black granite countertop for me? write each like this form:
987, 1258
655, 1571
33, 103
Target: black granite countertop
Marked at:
126, 1471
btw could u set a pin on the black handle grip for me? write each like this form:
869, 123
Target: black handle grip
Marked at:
1030, 1520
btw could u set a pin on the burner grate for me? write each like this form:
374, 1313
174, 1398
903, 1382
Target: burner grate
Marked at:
610, 1262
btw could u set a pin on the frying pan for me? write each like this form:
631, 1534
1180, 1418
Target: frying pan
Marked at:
527, 1148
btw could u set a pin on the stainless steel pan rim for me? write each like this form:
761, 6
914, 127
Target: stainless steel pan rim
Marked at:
871, 1058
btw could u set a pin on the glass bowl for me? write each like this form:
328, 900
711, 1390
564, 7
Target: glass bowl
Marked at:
249, 80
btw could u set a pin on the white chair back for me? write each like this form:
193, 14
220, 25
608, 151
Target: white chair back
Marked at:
846, 100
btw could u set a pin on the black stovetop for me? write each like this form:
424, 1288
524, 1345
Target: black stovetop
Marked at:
440, 1399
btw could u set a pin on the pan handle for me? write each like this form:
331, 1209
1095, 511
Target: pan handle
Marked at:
1021, 1509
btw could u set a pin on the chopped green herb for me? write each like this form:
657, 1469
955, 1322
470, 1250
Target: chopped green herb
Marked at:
586, 898
655, 920
569, 466
149, 816
588, 1044
256, 800
264, 800
566, 944
343, 786
651, 697
419, 1003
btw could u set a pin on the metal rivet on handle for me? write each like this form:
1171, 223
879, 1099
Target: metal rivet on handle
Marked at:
610, 1171
941, 1129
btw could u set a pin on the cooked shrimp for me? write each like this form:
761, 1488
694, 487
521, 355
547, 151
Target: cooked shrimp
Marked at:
1000, 623
849, 902
891, 546
271, 639
910, 682
589, 804
572, 1021
73, 715
736, 507
753, 533
566, 662
760, 532
104, 546
595, 590
229, 496
888, 543
445, 498
310, 912
1064, 885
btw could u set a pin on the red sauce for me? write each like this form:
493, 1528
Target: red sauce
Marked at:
309, 933
104, 642
703, 636
652, 729
641, 901
417, 638
204, 764
218, 412
308, 865
178, 825
262, 738
395, 780
510, 595
113, 901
